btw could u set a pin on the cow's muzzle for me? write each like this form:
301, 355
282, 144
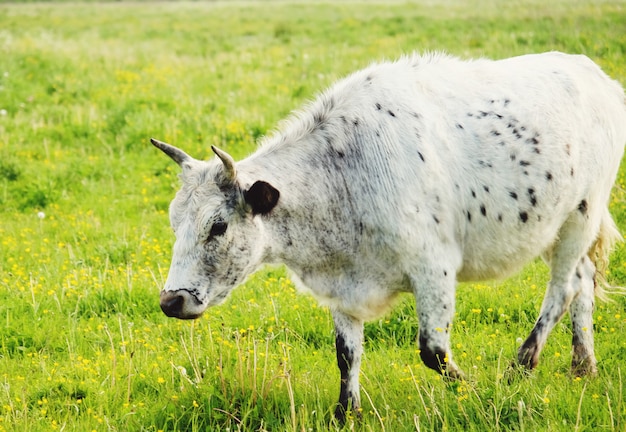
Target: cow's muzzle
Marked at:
173, 305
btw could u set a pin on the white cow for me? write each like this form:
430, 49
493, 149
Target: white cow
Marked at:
409, 176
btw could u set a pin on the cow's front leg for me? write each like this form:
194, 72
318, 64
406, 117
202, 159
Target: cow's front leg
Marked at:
435, 298
349, 344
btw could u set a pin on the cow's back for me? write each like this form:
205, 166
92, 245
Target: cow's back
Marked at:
538, 136
490, 156
493, 155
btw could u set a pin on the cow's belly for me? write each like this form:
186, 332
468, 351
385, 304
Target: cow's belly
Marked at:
490, 268
506, 251
362, 294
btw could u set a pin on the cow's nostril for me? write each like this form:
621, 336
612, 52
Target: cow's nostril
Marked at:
172, 304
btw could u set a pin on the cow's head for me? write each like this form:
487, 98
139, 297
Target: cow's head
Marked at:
219, 241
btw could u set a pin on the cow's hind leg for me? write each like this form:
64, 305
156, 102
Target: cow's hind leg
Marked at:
349, 344
564, 289
581, 310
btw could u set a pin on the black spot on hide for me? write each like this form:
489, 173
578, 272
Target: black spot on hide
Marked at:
486, 189
523, 216
436, 219
483, 210
548, 176
378, 106
532, 197
524, 163
582, 207
469, 216
391, 113
473, 193
499, 217
421, 156
459, 126
513, 195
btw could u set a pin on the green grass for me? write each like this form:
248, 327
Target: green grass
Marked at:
83, 343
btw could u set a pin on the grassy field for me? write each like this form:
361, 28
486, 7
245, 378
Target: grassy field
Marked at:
85, 240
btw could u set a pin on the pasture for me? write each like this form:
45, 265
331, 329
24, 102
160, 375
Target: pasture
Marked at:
85, 242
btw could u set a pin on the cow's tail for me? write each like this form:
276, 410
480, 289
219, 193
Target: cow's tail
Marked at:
599, 253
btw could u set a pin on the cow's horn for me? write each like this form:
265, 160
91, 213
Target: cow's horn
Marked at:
175, 153
228, 161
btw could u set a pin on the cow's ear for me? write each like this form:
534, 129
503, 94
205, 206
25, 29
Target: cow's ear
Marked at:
262, 197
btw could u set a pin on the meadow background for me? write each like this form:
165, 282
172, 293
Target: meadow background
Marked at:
85, 239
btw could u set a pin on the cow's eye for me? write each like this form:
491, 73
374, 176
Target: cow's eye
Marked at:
218, 229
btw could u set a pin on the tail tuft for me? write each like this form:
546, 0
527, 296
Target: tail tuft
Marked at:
599, 255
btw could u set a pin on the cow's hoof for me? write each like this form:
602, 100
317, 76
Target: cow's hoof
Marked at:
343, 415
516, 372
453, 374
585, 367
